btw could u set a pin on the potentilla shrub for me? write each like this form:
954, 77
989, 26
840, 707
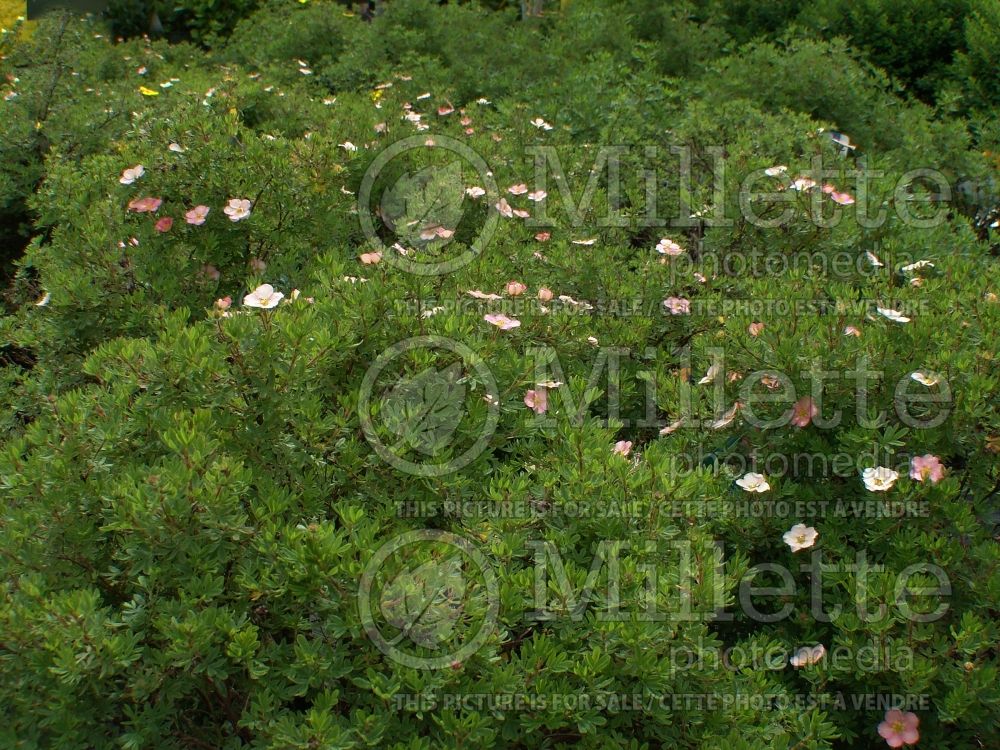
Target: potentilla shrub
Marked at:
233, 425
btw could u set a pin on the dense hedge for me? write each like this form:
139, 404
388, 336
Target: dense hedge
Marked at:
192, 488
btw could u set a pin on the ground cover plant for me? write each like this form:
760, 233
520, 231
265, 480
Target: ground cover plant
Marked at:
498, 375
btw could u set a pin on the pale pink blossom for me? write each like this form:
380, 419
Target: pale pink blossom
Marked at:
516, 288
164, 225
197, 215
667, 246
927, 467
537, 195
475, 192
258, 265
807, 655
800, 537
145, 205
370, 259
545, 294
803, 411
501, 321
622, 447
677, 305
503, 207
210, 272
755, 329
483, 295
852, 331
537, 400
224, 303
519, 189
844, 199
899, 728
237, 209
131, 174
543, 236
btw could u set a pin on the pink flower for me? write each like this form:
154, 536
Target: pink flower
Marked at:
677, 305
197, 215
622, 447
537, 400
538, 195
544, 294
370, 259
803, 411
844, 199
256, 264
237, 209
519, 189
501, 321
516, 288
145, 205
543, 236
164, 224
224, 303
210, 272
504, 208
755, 328
852, 331
927, 467
899, 728
667, 246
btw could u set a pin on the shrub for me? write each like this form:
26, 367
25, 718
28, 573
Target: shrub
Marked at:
196, 487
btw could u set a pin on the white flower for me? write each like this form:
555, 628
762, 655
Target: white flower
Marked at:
132, 174
803, 183
775, 171
482, 100
712, 374
752, 482
431, 312
893, 315
925, 378
176, 148
538, 122
873, 259
917, 265
263, 297
483, 295
879, 479
348, 146
475, 192
237, 209
808, 655
800, 537
44, 300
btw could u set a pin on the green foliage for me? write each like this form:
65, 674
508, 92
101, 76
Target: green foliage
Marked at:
191, 492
